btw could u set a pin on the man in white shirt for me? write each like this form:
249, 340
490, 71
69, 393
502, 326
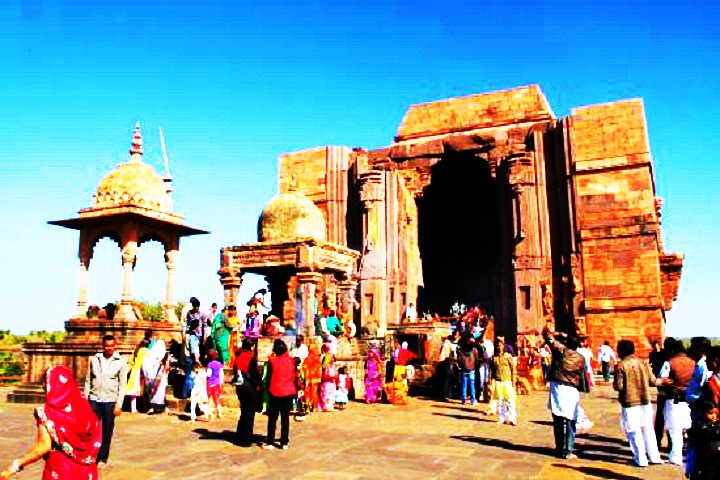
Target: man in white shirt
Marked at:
585, 351
606, 356
410, 313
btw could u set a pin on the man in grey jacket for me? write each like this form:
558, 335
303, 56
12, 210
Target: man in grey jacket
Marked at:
105, 388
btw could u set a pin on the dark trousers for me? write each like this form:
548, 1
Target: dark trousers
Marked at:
606, 371
660, 422
447, 377
279, 406
105, 411
248, 402
564, 431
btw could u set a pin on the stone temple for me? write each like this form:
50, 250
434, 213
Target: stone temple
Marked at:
486, 200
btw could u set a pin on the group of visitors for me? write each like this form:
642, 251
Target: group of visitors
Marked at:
75, 430
688, 404
464, 368
299, 380
688, 386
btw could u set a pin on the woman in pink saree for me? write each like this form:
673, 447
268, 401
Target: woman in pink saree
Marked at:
373, 375
327, 385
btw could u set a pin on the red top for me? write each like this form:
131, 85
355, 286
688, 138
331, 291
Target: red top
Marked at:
242, 361
282, 376
404, 356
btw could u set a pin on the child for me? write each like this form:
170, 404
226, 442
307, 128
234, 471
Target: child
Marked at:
299, 400
198, 395
342, 386
704, 437
215, 381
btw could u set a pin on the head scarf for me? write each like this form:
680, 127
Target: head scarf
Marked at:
68, 417
311, 366
374, 353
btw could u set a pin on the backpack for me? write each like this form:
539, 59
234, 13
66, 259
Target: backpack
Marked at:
467, 361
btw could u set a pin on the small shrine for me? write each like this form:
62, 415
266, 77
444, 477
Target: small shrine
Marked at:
133, 205
294, 257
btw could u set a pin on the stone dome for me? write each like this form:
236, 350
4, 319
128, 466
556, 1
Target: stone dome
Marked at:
133, 183
291, 216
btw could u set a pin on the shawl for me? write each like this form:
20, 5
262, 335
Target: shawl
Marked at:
153, 360
68, 417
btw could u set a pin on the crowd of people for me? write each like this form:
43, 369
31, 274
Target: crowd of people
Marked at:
75, 430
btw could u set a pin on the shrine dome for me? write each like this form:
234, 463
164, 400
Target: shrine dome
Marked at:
134, 183
291, 216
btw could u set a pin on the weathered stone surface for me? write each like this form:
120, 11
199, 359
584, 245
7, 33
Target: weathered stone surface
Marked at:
575, 218
517, 105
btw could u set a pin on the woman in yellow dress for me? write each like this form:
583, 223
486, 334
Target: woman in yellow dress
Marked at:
135, 385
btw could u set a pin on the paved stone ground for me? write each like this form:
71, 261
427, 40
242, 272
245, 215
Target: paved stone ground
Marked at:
425, 440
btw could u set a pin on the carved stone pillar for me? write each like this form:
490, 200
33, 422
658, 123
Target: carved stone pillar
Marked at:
85, 255
231, 279
308, 282
129, 254
527, 255
171, 258
348, 289
373, 274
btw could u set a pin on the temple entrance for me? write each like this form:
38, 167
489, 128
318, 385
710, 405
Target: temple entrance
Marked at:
459, 235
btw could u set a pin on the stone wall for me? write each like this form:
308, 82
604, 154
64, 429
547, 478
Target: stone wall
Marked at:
618, 224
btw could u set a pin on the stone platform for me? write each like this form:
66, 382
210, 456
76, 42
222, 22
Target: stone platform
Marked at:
424, 440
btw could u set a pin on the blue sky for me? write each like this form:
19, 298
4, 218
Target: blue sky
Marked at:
235, 84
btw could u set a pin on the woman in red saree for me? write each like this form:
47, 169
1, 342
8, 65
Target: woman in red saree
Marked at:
68, 432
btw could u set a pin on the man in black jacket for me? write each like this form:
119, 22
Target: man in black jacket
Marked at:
567, 368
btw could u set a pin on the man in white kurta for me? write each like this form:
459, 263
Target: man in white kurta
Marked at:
633, 379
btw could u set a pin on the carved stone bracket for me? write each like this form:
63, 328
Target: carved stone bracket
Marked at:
658, 206
520, 169
371, 188
231, 280
416, 180
129, 254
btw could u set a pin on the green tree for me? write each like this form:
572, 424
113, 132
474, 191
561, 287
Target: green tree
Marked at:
151, 312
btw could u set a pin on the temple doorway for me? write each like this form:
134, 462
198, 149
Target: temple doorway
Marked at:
459, 236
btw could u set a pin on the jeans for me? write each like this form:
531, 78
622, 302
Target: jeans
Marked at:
606, 371
482, 373
468, 379
248, 403
105, 412
279, 406
564, 432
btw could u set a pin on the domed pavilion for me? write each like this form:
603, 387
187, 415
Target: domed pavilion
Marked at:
293, 255
132, 205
